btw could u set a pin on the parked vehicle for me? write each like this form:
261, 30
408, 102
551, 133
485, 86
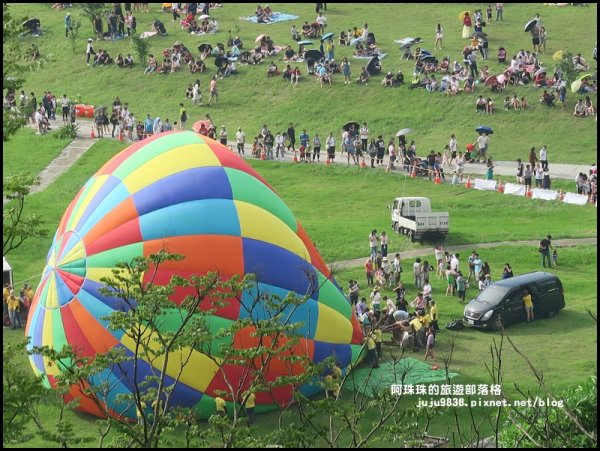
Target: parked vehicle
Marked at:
501, 304
413, 217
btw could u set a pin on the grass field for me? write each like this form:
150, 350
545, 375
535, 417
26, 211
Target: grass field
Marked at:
250, 99
30, 152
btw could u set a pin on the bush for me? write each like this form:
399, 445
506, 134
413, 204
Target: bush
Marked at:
67, 131
551, 427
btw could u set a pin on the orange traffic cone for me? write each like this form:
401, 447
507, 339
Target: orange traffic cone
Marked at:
500, 187
120, 136
468, 184
528, 193
438, 179
413, 174
92, 134
295, 158
263, 154
328, 162
362, 163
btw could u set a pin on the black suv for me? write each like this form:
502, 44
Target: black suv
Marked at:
501, 303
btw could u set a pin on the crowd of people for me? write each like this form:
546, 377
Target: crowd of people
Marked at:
412, 319
16, 308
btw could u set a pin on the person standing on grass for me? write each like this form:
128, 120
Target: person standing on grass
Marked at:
182, 116
249, 402
499, 11
528, 305
545, 246
430, 342
214, 93
439, 36
68, 25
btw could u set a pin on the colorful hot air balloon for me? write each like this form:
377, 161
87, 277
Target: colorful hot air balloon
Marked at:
191, 195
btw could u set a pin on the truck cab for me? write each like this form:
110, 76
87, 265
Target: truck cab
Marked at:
413, 217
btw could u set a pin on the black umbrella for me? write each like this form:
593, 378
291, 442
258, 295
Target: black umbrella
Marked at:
221, 61
479, 34
351, 125
484, 129
32, 24
314, 54
427, 58
202, 47
529, 25
374, 66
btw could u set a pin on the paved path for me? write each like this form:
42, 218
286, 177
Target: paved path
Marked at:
467, 247
83, 142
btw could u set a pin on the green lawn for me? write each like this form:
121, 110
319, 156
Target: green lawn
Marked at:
250, 99
28, 151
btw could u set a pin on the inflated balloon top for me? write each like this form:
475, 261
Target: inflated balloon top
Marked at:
190, 195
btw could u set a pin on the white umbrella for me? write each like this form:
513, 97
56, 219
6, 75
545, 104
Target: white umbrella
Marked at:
542, 70
405, 131
203, 16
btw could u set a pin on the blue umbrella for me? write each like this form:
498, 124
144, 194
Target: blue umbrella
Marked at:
327, 36
305, 42
484, 129
356, 40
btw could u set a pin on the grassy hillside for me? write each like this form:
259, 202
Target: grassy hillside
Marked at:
250, 99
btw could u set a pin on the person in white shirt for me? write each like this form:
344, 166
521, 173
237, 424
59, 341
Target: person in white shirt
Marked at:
279, 146
454, 263
544, 157
240, 138
322, 21
482, 145
330, 143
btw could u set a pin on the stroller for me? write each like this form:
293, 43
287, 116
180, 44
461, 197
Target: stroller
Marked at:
310, 66
502, 55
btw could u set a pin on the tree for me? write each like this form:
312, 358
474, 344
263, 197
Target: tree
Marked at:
12, 69
141, 47
16, 226
21, 391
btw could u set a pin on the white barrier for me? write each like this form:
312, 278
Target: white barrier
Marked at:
576, 199
544, 194
514, 189
488, 185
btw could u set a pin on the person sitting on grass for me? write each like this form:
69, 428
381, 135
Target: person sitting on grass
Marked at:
295, 75
515, 103
197, 66
272, 70
364, 76
547, 98
489, 106
589, 106
128, 61
165, 67
580, 109
480, 105
388, 80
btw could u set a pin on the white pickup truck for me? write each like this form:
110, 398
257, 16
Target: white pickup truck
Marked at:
413, 217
